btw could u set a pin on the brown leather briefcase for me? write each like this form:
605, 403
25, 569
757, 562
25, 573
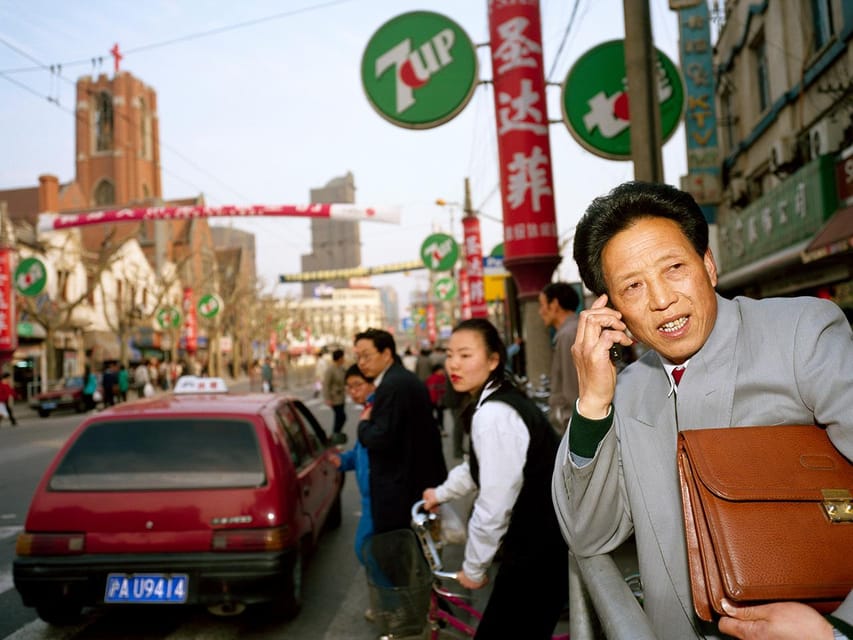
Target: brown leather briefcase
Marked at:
768, 516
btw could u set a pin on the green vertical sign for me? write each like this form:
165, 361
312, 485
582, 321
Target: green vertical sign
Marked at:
419, 70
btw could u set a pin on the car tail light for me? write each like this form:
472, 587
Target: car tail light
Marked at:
274, 539
50, 544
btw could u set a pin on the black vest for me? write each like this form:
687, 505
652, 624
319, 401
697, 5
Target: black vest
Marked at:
533, 529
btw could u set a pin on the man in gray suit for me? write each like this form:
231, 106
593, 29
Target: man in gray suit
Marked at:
643, 249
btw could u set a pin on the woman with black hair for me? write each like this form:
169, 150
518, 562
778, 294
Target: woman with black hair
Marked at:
513, 448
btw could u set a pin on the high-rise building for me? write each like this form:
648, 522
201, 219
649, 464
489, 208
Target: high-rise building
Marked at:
335, 244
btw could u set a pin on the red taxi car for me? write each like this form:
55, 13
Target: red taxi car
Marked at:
199, 497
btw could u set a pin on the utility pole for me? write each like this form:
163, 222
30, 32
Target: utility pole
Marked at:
641, 71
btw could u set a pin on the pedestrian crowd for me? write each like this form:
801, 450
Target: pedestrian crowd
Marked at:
656, 352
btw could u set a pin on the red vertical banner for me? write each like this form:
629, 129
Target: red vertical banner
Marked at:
524, 150
273, 345
190, 321
464, 294
8, 317
474, 266
432, 331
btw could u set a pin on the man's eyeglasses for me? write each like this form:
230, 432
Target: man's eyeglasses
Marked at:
365, 356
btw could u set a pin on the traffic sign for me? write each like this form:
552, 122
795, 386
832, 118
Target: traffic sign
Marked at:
595, 100
419, 70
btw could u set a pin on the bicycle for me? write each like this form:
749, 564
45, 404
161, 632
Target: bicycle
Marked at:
441, 621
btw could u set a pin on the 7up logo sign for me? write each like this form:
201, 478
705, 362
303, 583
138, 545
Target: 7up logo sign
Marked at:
439, 252
595, 100
419, 70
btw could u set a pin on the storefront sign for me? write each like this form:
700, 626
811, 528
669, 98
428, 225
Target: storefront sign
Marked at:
419, 70
790, 213
700, 122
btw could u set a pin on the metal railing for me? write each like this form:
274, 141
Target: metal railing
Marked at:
598, 590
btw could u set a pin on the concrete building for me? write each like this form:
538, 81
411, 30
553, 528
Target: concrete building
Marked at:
784, 87
335, 244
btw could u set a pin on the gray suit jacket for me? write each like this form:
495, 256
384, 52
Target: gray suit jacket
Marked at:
767, 362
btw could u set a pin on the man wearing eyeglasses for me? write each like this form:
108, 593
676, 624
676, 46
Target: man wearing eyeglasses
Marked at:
402, 440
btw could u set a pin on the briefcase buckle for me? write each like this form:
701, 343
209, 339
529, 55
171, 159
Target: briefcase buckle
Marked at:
838, 505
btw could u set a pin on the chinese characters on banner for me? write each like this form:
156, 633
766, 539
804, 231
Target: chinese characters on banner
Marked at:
190, 321
432, 331
474, 266
524, 150
8, 317
464, 294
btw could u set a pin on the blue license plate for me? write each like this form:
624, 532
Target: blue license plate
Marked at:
48, 405
149, 588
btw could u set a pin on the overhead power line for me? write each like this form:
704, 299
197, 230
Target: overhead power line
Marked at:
185, 38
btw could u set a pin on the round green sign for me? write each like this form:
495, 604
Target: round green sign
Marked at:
419, 70
30, 277
209, 305
595, 100
444, 288
439, 252
169, 318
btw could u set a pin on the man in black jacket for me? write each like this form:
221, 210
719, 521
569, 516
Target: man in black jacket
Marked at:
402, 440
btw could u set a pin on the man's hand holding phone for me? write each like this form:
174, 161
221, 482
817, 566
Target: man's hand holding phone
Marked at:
599, 328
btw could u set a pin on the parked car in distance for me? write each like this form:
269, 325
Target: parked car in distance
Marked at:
68, 395
197, 497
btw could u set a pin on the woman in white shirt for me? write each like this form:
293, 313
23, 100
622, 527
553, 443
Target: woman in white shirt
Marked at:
513, 448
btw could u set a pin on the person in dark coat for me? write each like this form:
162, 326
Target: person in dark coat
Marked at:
402, 440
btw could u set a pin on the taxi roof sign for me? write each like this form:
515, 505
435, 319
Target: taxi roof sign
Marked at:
198, 384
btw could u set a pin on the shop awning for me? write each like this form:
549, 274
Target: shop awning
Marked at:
836, 236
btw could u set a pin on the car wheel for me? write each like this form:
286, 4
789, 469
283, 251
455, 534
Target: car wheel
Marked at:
59, 613
333, 520
292, 601
43, 413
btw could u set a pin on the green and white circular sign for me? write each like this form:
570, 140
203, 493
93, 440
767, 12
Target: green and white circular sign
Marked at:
209, 305
444, 288
419, 70
30, 277
169, 318
595, 100
439, 252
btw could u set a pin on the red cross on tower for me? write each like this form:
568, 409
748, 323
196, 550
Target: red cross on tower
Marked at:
116, 55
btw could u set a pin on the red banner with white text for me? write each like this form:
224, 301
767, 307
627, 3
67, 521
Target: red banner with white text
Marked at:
524, 149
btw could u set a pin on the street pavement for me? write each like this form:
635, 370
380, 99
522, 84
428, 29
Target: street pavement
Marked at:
348, 621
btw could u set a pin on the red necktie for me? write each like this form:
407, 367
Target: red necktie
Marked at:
676, 374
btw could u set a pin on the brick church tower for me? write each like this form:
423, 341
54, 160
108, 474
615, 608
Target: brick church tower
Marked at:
117, 147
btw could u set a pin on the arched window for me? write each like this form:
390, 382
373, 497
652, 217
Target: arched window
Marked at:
105, 193
103, 114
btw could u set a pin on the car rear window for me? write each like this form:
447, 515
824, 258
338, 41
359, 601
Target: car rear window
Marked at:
191, 453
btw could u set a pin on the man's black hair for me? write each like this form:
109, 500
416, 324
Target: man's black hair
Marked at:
609, 214
564, 293
380, 338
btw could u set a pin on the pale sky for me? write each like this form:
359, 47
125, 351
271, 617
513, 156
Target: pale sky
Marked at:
261, 101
